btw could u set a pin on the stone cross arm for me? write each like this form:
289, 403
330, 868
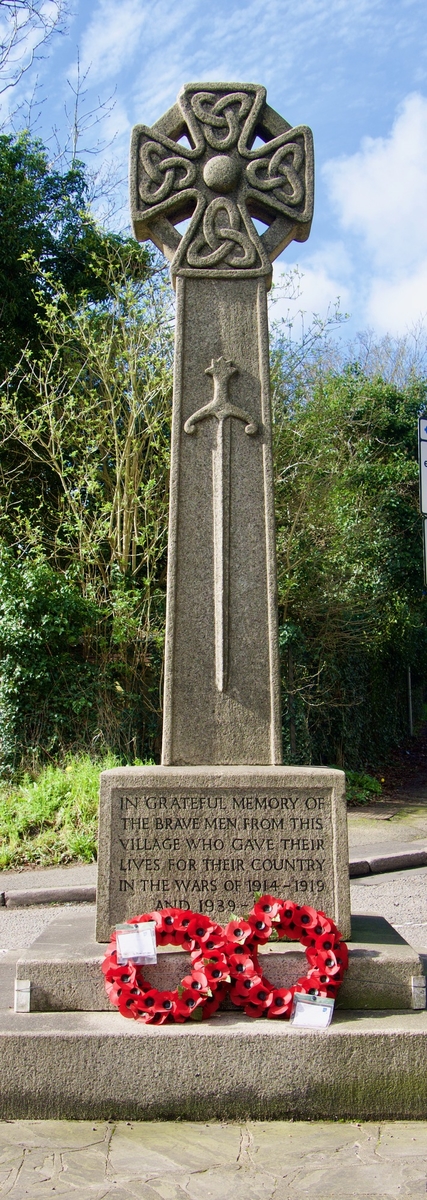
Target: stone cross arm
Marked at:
220, 157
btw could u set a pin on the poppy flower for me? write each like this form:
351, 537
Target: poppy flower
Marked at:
322, 941
260, 994
242, 965
165, 1002
243, 988
237, 949
183, 920
187, 942
200, 926
196, 982
147, 1002
281, 1003
213, 1003
323, 924
215, 958
126, 1007
307, 917
312, 985
267, 906
238, 931
185, 1005
255, 1010
114, 992
288, 914
109, 965
152, 916
205, 933
323, 961
216, 973
167, 926
261, 927
157, 1018
341, 954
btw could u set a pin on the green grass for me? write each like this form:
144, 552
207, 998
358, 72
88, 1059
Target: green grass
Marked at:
54, 818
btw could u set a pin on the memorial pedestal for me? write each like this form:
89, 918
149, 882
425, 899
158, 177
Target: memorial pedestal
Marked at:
209, 838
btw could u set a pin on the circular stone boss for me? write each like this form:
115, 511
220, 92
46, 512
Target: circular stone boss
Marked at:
221, 173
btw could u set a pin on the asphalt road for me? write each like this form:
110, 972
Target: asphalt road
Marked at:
400, 897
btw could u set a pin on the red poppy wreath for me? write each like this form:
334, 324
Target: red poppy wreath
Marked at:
198, 995
222, 957
326, 953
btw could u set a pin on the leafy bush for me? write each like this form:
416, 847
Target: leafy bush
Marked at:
352, 605
360, 787
48, 691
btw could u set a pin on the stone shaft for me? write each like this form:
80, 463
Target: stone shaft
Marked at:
221, 699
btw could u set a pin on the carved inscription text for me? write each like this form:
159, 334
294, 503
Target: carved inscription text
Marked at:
211, 852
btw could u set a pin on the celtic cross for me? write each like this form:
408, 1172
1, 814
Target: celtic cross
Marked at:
220, 180
220, 160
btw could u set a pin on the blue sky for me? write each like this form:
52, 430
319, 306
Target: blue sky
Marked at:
354, 70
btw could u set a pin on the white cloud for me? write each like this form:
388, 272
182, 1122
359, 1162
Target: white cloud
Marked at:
111, 38
380, 192
323, 280
398, 306
380, 196
255, 40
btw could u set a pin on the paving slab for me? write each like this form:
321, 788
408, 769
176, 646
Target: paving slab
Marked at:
378, 858
70, 875
398, 896
275, 1160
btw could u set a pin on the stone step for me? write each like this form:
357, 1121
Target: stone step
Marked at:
93, 1066
63, 966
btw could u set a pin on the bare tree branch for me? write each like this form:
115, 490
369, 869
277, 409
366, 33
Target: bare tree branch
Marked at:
26, 26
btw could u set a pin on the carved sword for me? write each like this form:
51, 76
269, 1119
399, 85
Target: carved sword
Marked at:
220, 407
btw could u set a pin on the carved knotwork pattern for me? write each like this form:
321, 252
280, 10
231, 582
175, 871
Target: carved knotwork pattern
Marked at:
175, 180
160, 176
221, 119
223, 238
280, 174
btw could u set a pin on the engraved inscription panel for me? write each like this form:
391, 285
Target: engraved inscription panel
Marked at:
212, 851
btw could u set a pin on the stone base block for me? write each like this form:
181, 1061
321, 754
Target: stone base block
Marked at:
63, 966
93, 1066
209, 838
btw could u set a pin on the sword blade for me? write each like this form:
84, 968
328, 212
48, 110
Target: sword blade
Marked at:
221, 530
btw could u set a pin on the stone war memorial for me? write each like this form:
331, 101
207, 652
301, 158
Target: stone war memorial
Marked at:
221, 184
221, 819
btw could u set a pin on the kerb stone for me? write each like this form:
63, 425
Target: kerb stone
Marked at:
210, 838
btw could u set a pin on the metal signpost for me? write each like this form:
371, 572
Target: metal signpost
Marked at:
422, 456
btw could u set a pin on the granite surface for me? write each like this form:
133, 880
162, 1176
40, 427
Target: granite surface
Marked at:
210, 838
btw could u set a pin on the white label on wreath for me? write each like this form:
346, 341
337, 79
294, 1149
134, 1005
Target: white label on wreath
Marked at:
312, 1012
136, 942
